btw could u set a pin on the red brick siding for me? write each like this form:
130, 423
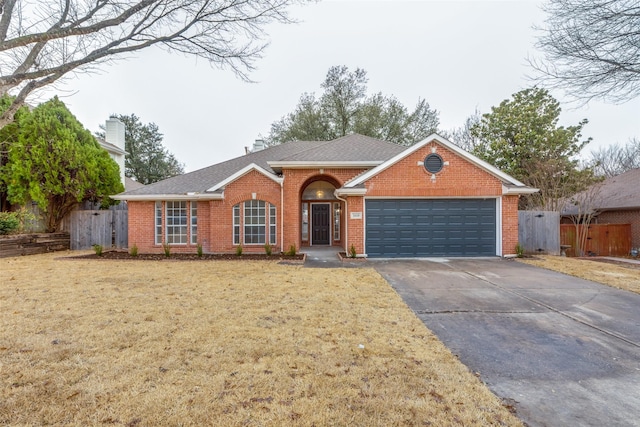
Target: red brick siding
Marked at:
509, 224
221, 234
458, 179
624, 217
356, 226
141, 225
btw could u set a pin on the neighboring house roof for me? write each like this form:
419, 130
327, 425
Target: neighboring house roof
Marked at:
130, 184
351, 151
615, 193
111, 148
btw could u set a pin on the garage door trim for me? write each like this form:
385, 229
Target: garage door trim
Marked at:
497, 210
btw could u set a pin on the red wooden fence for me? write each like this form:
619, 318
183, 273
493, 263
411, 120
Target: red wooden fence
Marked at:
602, 239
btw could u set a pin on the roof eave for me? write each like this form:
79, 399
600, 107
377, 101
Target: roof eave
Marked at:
155, 197
350, 191
279, 165
518, 190
244, 171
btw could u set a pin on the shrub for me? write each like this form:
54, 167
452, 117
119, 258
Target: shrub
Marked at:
292, 251
519, 250
199, 250
133, 251
268, 249
239, 250
9, 222
98, 249
167, 249
352, 251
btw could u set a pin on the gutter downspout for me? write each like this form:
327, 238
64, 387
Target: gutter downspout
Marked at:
346, 226
282, 215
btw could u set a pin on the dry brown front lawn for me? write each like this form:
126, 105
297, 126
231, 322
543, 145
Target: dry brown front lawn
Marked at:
251, 343
618, 276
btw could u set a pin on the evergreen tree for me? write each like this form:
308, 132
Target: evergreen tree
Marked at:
56, 163
521, 137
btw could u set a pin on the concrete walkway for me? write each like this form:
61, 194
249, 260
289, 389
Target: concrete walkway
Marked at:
326, 257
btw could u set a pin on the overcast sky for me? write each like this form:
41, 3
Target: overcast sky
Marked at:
458, 55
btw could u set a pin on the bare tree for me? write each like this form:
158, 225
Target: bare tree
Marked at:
591, 48
616, 159
42, 41
582, 209
462, 136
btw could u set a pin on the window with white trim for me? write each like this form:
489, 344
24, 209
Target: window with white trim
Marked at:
336, 221
256, 222
176, 222
194, 223
272, 225
158, 223
236, 225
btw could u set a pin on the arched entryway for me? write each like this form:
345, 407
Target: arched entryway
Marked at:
321, 214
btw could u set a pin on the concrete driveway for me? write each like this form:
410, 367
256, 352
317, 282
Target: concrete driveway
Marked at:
563, 351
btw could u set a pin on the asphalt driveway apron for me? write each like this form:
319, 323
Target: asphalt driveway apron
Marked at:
563, 351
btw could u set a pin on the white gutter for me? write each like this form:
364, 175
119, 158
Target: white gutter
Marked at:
351, 191
154, 197
346, 226
518, 190
282, 215
324, 164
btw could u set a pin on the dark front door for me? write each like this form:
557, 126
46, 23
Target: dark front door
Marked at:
320, 224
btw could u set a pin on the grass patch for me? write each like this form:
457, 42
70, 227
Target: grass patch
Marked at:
596, 271
191, 343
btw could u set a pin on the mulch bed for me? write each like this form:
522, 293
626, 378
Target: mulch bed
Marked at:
121, 255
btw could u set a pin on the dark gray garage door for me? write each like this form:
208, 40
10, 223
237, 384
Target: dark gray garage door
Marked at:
434, 227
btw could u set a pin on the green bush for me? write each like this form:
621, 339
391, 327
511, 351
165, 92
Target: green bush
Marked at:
199, 250
98, 249
352, 251
292, 251
268, 249
239, 250
134, 250
519, 250
167, 249
9, 222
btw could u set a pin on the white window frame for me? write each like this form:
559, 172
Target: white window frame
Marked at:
273, 226
236, 224
255, 221
336, 221
193, 221
171, 227
158, 223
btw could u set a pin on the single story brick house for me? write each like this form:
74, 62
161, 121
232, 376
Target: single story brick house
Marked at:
387, 200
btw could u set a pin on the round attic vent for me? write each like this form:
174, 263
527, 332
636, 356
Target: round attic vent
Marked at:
433, 163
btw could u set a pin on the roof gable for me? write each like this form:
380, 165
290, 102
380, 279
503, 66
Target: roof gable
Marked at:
505, 178
242, 172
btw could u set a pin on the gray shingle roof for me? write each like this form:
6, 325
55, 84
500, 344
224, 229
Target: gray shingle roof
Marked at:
348, 148
620, 192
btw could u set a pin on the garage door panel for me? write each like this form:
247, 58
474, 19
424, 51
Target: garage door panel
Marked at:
436, 227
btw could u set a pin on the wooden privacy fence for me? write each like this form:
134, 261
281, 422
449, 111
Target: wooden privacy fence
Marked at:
539, 232
98, 227
602, 239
